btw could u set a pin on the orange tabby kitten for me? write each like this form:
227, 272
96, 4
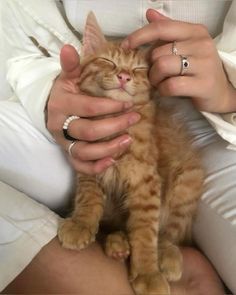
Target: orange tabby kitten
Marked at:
149, 196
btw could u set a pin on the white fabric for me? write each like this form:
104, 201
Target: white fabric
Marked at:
231, 118
130, 15
29, 169
29, 73
31, 162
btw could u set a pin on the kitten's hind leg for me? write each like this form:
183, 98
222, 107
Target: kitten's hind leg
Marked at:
170, 260
185, 187
117, 245
143, 228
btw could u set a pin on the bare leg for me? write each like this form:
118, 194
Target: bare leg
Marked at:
56, 270
199, 276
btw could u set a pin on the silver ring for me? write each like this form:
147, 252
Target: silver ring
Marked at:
184, 64
70, 147
174, 48
66, 126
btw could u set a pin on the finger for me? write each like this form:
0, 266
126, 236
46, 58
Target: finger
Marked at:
70, 62
84, 151
170, 65
180, 86
89, 106
92, 168
82, 106
165, 30
92, 130
154, 15
185, 48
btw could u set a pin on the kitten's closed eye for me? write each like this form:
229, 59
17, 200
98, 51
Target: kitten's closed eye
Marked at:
106, 62
140, 69
110, 63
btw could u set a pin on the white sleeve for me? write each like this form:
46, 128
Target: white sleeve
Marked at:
30, 72
226, 45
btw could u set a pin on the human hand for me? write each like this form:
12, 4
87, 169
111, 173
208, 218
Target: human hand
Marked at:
205, 80
88, 156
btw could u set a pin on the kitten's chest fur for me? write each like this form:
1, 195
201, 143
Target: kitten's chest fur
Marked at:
116, 179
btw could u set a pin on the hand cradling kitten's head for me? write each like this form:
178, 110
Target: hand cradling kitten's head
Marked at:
111, 71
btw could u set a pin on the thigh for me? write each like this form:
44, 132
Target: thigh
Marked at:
30, 162
215, 225
56, 270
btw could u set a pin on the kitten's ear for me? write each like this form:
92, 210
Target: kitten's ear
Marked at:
93, 38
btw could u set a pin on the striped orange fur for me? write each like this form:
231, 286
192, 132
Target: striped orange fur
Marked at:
148, 199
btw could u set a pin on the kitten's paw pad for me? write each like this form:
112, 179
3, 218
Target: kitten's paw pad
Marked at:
171, 263
151, 284
117, 246
75, 236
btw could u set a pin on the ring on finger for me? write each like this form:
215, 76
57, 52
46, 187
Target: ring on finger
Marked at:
70, 147
184, 64
66, 126
174, 48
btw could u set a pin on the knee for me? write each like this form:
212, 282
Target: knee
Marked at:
200, 275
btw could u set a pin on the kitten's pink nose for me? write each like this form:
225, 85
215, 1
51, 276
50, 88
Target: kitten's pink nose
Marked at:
124, 77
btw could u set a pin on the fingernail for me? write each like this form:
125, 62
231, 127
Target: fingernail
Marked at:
125, 44
126, 142
128, 104
134, 119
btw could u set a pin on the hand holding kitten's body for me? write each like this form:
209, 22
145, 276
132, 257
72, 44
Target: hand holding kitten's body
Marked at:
149, 197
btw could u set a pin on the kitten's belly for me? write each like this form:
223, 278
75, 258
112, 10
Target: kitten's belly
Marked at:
164, 216
115, 215
115, 210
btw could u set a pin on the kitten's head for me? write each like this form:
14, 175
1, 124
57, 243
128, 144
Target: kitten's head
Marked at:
111, 71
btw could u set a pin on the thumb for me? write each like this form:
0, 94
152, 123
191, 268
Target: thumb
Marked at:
153, 15
70, 62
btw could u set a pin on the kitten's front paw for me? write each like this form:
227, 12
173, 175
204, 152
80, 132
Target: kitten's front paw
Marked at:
117, 245
74, 235
171, 263
151, 284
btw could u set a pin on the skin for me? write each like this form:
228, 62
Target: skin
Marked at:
56, 270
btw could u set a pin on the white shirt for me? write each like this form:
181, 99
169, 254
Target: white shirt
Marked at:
119, 18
